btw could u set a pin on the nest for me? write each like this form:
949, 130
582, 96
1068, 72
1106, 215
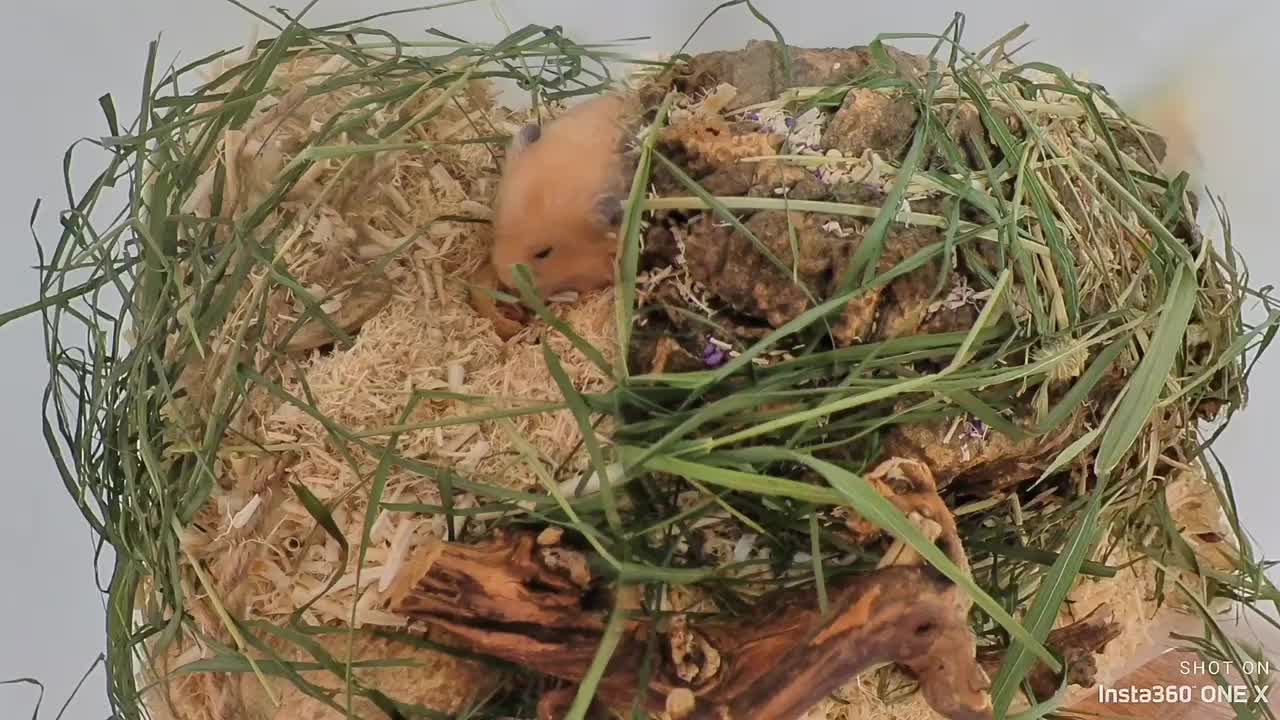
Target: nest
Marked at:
906, 356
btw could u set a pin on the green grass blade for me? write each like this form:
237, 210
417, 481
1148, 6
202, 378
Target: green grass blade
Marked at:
324, 519
101, 660
744, 482
582, 415
1038, 556
989, 315
815, 552
1126, 422
524, 283
1069, 454
1040, 618
629, 236
530, 455
991, 417
723, 213
867, 256
1143, 390
874, 507
604, 652
376, 490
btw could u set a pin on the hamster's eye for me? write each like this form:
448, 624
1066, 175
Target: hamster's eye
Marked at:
543, 254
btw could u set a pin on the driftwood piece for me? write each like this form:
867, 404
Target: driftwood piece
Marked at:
532, 605
1078, 643
910, 486
772, 667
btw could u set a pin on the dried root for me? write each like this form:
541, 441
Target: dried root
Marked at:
529, 604
772, 667
1079, 643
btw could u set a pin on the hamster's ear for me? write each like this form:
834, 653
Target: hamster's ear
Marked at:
609, 209
524, 137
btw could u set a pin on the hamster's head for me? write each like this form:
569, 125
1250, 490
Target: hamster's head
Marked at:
552, 217
568, 243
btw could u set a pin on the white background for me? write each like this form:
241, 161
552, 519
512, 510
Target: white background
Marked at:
60, 55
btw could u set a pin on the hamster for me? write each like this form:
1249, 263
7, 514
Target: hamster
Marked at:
560, 201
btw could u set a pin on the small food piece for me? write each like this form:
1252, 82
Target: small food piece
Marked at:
508, 320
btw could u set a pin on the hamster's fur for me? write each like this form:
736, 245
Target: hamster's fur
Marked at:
559, 203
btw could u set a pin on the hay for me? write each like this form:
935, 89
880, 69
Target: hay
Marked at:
311, 405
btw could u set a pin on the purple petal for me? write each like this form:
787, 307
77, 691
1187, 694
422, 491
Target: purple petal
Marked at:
975, 428
712, 356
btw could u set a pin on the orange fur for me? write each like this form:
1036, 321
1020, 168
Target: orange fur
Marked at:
549, 198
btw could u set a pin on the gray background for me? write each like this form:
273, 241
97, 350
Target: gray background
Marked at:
60, 55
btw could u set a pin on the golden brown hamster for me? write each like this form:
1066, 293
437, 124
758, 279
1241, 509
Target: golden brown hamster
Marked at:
560, 200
